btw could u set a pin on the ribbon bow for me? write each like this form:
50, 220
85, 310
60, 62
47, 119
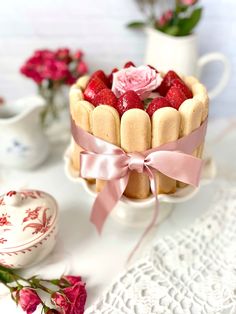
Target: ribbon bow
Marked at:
102, 160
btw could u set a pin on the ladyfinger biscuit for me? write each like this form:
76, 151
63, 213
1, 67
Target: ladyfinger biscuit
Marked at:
80, 112
82, 82
191, 111
165, 128
106, 125
200, 93
75, 95
136, 137
190, 81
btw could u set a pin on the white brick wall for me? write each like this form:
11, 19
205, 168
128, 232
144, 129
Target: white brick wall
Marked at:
98, 27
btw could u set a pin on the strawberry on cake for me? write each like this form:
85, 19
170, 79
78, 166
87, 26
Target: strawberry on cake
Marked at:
138, 108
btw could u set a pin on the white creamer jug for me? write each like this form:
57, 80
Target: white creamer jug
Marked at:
23, 144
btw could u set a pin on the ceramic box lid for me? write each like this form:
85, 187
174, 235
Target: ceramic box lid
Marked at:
26, 217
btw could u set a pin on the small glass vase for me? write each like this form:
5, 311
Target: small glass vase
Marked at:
55, 116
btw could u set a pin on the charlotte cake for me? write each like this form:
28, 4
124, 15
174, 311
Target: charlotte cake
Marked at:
138, 108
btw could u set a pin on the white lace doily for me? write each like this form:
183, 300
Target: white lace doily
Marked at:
191, 272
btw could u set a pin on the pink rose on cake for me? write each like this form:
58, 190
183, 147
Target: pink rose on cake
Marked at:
143, 80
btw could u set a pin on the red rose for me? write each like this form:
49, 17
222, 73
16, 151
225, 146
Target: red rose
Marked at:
55, 66
44, 54
78, 55
71, 300
63, 54
28, 71
82, 68
32, 68
33, 62
54, 70
28, 300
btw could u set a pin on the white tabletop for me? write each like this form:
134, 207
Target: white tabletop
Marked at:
80, 250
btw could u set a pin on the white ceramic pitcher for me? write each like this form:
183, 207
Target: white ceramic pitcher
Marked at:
23, 144
180, 54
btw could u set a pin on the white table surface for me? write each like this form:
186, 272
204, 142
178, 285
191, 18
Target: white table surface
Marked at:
80, 250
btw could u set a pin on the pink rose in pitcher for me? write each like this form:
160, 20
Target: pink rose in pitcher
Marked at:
188, 2
143, 80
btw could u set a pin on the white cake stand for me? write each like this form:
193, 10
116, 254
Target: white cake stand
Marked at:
138, 213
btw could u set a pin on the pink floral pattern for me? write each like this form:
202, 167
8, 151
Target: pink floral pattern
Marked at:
31, 194
42, 225
11, 193
24, 195
2, 240
4, 220
2, 201
32, 214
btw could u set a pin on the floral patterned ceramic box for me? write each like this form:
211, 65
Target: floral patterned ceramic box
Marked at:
28, 227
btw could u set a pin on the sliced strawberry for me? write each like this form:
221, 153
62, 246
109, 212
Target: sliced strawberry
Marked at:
167, 82
183, 87
94, 86
102, 76
157, 103
105, 97
129, 100
110, 76
129, 64
176, 97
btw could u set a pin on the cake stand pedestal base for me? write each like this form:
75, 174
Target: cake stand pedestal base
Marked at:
140, 216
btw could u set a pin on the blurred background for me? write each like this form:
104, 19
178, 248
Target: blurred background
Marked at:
98, 27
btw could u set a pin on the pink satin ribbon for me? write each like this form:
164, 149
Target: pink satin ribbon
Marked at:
102, 160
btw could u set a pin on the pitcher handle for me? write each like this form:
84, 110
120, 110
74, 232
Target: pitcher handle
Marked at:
216, 56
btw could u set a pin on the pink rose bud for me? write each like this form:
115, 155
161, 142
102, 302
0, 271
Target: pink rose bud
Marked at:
1, 100
82, 68
59, 300
78, 55
165, 18
142, 80
28, 300
62, 53
188, 2
162, 21
169, 15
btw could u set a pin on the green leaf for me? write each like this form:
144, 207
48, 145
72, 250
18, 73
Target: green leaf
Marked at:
186, 25
172, 30
136, 24
55, 282
6, 275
